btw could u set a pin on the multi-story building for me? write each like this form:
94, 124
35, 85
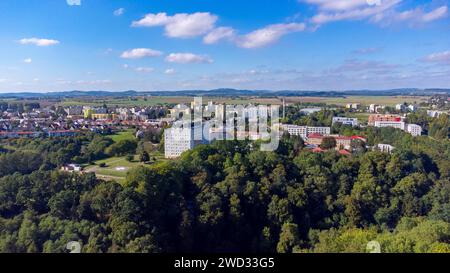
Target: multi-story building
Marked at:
182, 138
414, 129
374, 118
373, 108
346, 121
342, 142
304, 131
394, 124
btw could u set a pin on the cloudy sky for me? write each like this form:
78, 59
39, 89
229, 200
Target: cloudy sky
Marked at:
60, 45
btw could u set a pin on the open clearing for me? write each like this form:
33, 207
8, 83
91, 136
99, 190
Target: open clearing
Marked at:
116, 168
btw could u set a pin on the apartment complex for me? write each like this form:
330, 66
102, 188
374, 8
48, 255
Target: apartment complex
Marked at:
305, 131
381, 121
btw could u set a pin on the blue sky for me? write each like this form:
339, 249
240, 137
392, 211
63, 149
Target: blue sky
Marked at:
60, 45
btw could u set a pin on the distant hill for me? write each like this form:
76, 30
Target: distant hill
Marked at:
228, 92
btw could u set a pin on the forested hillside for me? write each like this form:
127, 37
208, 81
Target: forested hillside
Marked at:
230, 197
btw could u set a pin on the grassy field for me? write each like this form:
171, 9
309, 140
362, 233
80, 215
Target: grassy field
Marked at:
362, 117
116, 168
126, 102
125, 135
382, 100
152, 101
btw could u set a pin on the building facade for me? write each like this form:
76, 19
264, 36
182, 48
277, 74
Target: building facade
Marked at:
346, 121
304, 131
414, 129
394, 124
178, 140
374, 118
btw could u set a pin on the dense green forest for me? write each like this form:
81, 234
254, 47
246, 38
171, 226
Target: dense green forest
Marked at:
229, 197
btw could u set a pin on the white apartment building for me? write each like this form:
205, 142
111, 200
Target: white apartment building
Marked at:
414, 129
394, 124
434, 113
180, 139
304, 131
373, 108
346, 121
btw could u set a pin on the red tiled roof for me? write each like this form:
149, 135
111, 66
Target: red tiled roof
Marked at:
317, 150
315, 135
344, 152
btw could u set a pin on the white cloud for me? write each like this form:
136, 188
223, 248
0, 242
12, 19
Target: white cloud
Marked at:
138, 53
94, 82
119, 12
38, 42
181, 25
170, 71
353, 11
268, 35
383, 12
338, 5
2, 80
439, 57
218, 34
415, 16
144, 69
73, 2
186, 58
28, 61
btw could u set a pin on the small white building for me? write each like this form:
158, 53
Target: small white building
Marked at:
434, 113
400, 107
414, 129
385, 148
412, 107
354, 106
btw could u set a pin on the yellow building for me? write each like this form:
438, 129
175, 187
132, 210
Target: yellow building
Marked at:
88, 113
